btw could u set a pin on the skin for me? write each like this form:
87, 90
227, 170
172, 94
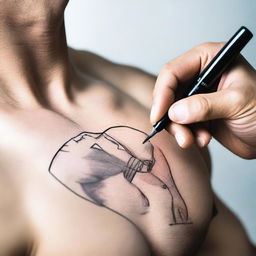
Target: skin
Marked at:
229, 114
48, 94
100, 159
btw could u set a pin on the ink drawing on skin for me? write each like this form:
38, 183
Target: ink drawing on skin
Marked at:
113, 171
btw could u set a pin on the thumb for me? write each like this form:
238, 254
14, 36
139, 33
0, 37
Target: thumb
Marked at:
204, 107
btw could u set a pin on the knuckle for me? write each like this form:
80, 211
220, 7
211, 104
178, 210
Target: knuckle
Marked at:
206, 46
237, 101
203, 107
235, 97
168, 66
208, 50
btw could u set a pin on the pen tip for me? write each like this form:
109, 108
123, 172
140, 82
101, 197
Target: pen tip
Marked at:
153, 132
145, 140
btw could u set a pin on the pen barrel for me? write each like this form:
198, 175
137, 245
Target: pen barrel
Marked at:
210, 75
220, 62
162, 123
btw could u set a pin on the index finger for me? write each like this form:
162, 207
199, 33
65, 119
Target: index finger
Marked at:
180, 70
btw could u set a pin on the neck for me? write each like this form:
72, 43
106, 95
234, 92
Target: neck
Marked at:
34, 67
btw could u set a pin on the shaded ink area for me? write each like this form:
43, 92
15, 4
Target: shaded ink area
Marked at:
109, 169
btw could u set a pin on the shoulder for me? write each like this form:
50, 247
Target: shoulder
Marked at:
134, 81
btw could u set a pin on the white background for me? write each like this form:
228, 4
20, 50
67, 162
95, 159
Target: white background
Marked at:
148, 33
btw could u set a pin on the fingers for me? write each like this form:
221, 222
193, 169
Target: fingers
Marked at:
171, 74
186, 136
224, 104
202, 137
182, 134
194, 109
178, 71
203, 107
162, 101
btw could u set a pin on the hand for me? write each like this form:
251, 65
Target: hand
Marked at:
229, 114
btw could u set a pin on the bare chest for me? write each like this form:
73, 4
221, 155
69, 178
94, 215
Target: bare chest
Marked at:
94, 188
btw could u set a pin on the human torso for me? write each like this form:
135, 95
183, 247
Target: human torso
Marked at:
59, 206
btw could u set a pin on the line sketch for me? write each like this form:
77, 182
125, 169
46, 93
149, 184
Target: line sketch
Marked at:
100, 167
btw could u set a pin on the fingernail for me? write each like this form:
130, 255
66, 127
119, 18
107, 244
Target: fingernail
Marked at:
153, 114
179, 113
201, 141
180, 139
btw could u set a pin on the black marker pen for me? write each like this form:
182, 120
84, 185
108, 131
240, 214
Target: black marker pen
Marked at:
211, 73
